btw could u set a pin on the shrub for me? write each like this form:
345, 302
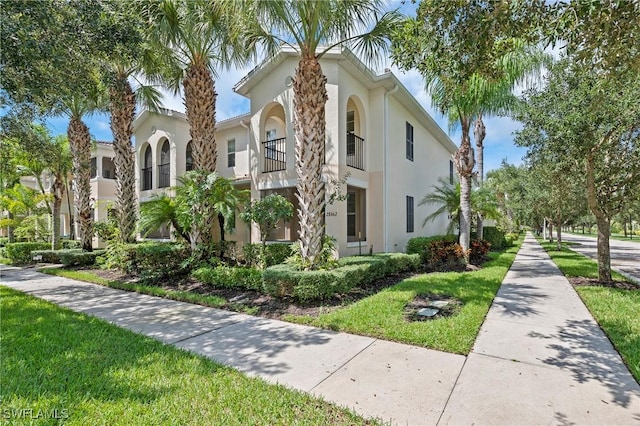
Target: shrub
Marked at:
276, 254
478, 250
230, 277
71, 244
251, 253
287, 281
445, 256
20, 253
4, 241
495, 237
79, 258
224, 249
420, 245
52, 256
155, 260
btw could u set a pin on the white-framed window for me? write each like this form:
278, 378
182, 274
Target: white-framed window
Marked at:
231, 153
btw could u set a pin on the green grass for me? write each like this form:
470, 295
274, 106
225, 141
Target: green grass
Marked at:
381, 315
5, 261
615, 310
86, 371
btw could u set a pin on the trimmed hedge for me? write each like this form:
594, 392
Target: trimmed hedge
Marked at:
420, 245
155, 260
71, 244
495, 237
285, 281
79, 258
52, 256
20, 253
274, 254
230, 277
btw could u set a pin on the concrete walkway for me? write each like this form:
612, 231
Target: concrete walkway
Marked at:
539, 359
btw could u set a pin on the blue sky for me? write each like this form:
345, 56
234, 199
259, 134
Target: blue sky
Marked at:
498, 142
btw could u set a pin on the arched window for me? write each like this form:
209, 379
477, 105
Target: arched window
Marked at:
147, 170
189, 157
165, 164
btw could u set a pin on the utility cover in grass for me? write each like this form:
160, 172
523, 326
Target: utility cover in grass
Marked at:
428, 307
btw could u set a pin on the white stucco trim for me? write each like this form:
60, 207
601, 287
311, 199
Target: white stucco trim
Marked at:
359, 183
277, 184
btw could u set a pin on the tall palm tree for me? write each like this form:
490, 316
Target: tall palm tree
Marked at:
196, 37
60, 168
127, 56
77, 107
312, 28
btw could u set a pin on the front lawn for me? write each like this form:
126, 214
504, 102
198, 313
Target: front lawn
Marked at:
615, 309
69, 367
382, 315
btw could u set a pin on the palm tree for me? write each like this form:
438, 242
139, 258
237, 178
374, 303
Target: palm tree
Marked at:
161, 209
60, 168
312, 28
78, 106
195, 37
447, 196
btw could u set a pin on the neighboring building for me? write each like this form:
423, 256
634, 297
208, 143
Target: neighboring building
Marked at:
377, 132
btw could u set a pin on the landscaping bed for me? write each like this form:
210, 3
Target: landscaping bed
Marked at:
254, 302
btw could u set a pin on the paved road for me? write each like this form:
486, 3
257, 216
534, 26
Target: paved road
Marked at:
625, 255
540, 358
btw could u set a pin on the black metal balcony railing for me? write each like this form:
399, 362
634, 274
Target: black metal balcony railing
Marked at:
355, 151
163, 176
275, 157
147, 178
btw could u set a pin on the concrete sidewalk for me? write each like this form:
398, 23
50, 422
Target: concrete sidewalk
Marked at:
539, 359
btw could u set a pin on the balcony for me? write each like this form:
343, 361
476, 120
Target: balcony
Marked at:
147, 178
164, 175
355, 151
275, 158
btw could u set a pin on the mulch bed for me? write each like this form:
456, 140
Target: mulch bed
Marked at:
622, 285
241, 300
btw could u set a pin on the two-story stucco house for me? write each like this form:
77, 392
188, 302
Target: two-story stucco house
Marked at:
378, 135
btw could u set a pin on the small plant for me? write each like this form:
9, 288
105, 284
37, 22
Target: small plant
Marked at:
445, 256
478, 250
326, 259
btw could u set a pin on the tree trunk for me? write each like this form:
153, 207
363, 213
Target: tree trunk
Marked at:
604, 254
200, 108
309, 99
479, 133
602, 222
624, 227
222, 240
464, 161
80, 142
122, 108
559, 232
57, 190
72, 224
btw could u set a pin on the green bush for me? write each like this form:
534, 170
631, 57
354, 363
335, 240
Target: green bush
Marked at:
251, 253
224, 249
277, 253
4, 241
155, 260
20, 253
495, 237
287, 281
230, 277
71, 244
52, 256
478, 250
79, 258
445, 256
420, 245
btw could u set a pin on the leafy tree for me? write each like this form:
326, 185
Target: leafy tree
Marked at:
21, 203
595, 120
266, 213
312, 28
464, 50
